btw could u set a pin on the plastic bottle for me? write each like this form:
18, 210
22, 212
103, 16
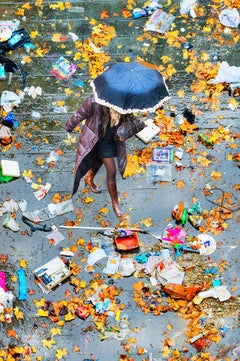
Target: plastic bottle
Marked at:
15, 39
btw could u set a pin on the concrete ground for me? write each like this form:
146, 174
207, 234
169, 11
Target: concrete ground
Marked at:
209, 175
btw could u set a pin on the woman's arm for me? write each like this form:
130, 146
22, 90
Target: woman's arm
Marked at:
82, 113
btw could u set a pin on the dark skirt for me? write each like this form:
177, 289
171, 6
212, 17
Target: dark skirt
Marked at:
106, 146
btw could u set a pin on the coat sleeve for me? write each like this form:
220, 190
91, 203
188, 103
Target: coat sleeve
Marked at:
82, 113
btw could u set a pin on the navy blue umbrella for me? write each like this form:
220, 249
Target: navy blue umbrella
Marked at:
130, 87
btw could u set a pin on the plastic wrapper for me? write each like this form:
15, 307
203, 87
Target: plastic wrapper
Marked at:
10, 223
127, 267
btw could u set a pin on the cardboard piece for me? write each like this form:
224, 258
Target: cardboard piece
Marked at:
149, 132
162, 155
10, 168
52, 273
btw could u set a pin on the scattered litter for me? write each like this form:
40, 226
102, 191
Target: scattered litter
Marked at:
187, 6
207, 244
229, 17
162, 155
53, 157
219, 292
159, 22
9, 206
112, 264
33, 91
22, 285
73, 36
41, 190
96, 256
146, 11
52, 273
66, 253
51, 211
63, 69
5, 135
168, 271
227, 74
55, 236
35, 114
7, 27
10, 168
149, 132
159, 172
9, 100
11, 223
127, 267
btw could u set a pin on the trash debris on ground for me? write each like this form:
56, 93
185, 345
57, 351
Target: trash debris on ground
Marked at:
159, 21
149, 132
63, 69
187, 7
53, 273
51, 211
10, 168
229, 17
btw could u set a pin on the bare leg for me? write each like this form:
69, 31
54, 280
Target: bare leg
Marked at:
110, 166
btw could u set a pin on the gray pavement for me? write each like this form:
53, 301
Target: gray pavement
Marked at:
137, 334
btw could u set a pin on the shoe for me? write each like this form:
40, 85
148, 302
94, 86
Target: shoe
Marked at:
88, 179
112, 189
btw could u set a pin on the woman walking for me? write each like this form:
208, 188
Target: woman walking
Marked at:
99, 145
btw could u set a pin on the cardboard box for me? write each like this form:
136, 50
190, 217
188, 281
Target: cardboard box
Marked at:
52, 273
149, 132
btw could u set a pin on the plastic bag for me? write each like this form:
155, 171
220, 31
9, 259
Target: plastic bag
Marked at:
229, 17
127, 267
10, 223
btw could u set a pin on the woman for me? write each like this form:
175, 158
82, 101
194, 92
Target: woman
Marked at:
98, 145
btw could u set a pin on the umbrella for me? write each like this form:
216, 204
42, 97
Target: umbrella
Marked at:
130, 87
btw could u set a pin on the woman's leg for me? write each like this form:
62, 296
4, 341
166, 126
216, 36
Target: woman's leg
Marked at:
88, 179
110, 166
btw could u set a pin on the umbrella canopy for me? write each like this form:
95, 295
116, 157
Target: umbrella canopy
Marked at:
130, 87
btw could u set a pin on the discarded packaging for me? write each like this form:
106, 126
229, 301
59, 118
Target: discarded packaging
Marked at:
183, 292
127, 267
159, 22
168, 271
219, 292
10, 223
227, 74
9, 100
53, 210
162, 155
63, 69
127, 242
207, 244
149, 132
187, 6
229, 17
52, 273
8, 206
159, 172
10, 168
